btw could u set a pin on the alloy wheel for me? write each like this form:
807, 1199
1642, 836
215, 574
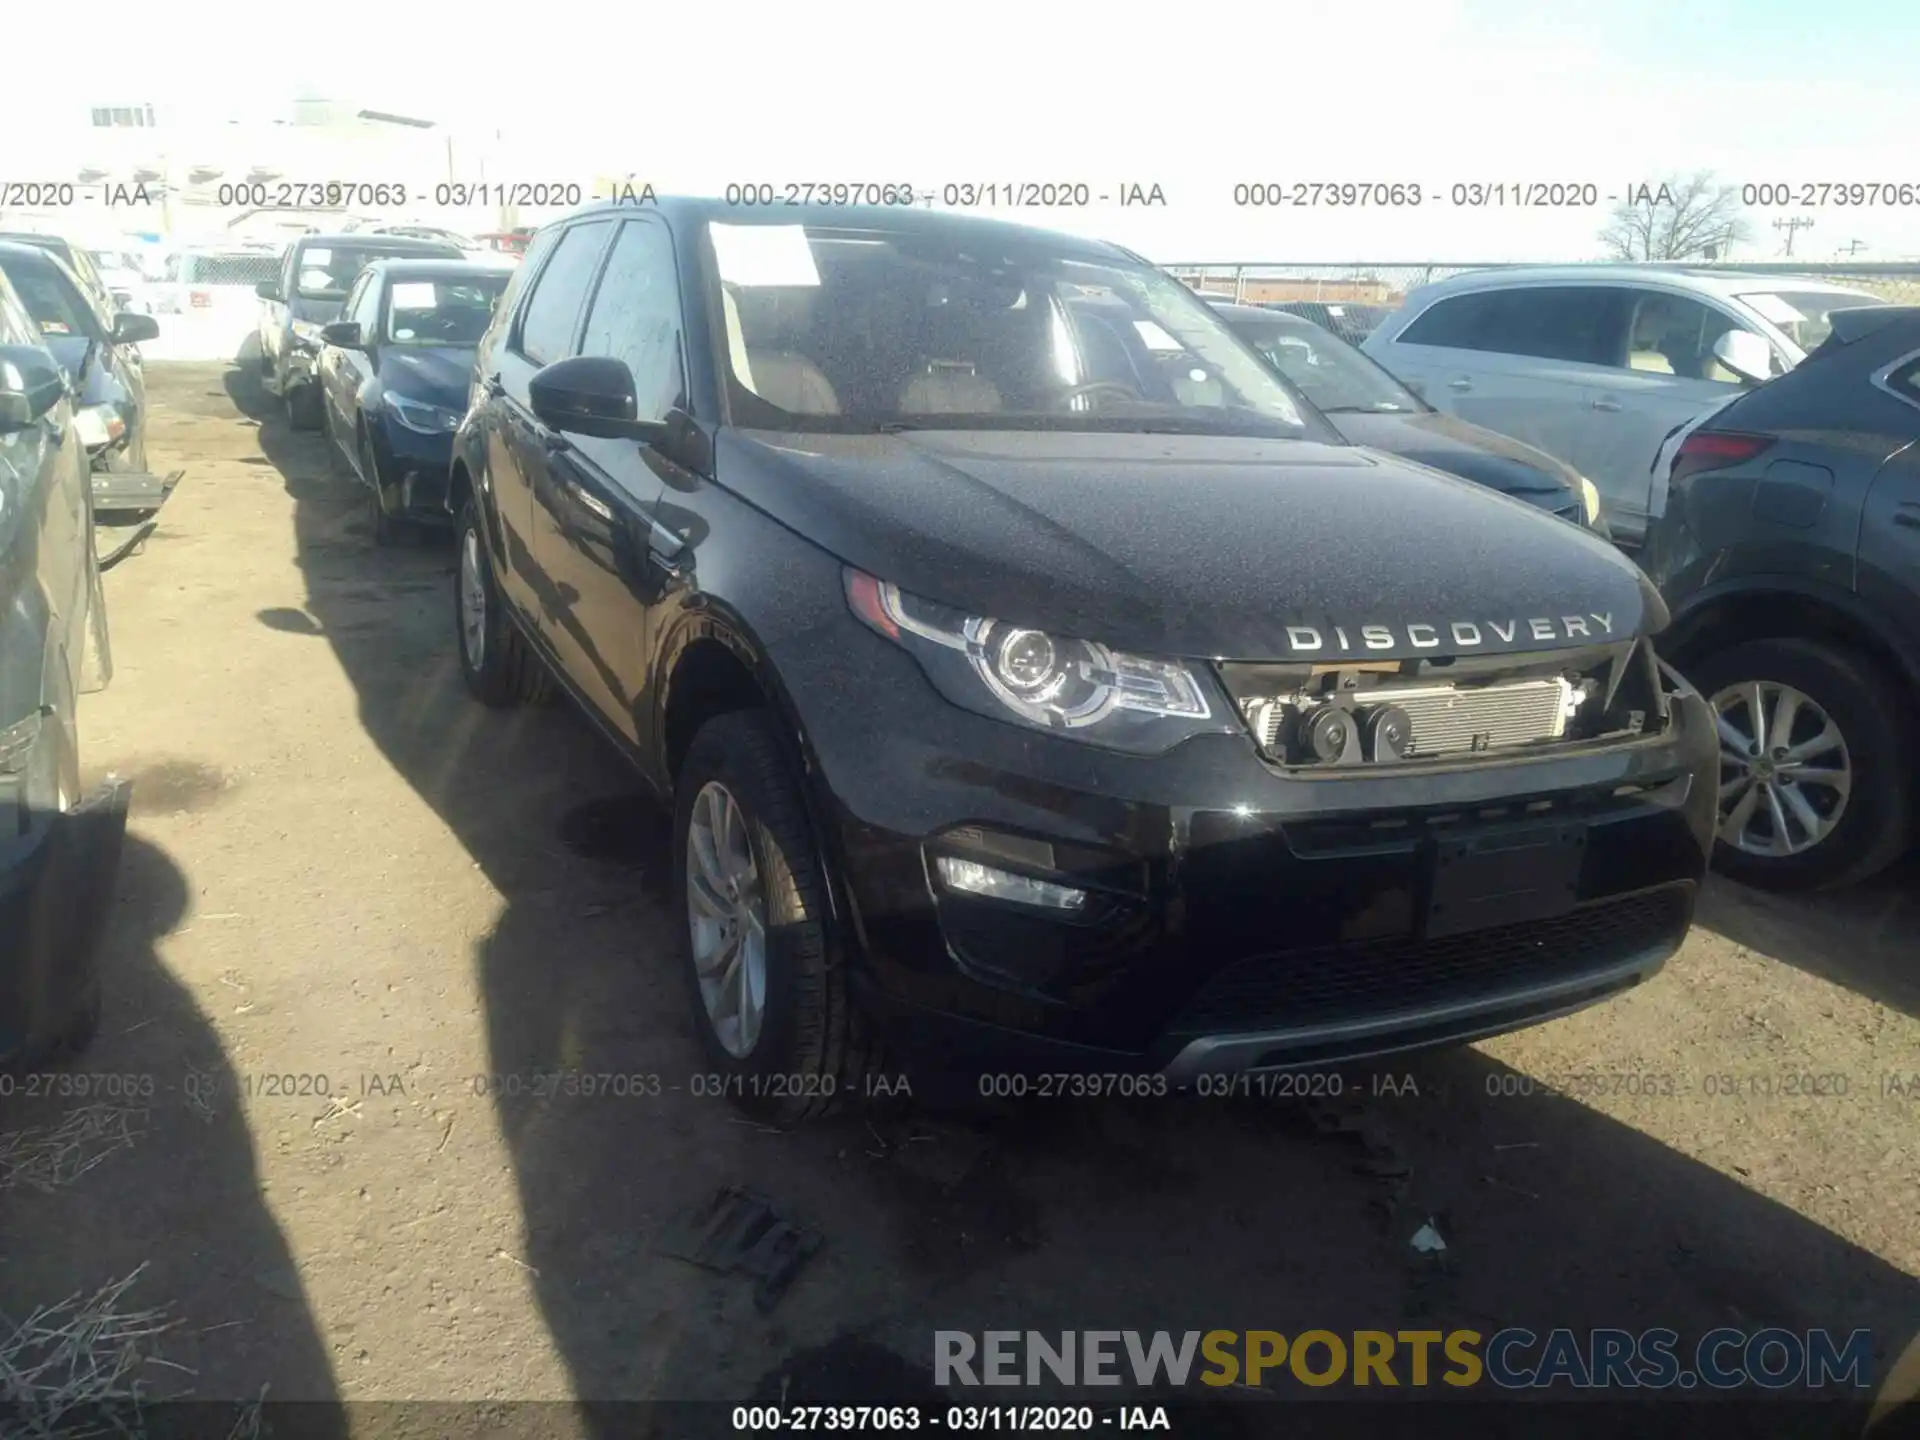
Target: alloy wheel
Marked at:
1785, 770
473, 600
727, 916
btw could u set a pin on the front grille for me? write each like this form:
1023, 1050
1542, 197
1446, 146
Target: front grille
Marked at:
1346, 982
1449, 720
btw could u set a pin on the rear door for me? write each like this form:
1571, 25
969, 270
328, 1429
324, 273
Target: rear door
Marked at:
1665, 375
1889, 568
1520, 360
601, 549
546, 329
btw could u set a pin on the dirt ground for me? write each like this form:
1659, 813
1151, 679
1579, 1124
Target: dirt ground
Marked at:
342, 876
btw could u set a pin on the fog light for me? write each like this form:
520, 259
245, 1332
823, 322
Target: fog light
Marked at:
973, 878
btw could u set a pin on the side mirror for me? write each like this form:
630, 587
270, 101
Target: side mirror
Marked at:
130, 328
1746, 354
591, 395
344, 333
30, 385
268, 289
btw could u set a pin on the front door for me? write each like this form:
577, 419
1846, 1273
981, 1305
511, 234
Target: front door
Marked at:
599, 551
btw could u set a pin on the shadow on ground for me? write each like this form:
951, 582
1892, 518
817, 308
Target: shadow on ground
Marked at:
1865, 937
138, 1158
1150, 1214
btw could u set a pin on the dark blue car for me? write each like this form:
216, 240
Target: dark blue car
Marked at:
394, 376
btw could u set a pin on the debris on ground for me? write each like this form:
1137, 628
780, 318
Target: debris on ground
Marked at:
739, 1233
1427, 1240
77, 1358
45, 1158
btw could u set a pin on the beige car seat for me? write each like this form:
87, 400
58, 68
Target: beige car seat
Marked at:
780, 376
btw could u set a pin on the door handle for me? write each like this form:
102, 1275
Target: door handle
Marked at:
493, 386
1610, 406
1461, 384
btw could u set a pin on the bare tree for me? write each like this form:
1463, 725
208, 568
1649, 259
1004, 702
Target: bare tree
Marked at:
1678, 218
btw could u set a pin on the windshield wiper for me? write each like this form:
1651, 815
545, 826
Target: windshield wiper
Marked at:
1380, 408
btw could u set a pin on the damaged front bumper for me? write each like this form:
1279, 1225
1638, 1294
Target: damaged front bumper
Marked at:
57, 878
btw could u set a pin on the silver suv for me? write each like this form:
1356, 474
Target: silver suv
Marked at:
1595, 364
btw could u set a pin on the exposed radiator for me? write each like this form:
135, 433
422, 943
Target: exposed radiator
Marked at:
1448, 720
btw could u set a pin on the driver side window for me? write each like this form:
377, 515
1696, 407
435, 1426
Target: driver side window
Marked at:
364, 309
1676, 334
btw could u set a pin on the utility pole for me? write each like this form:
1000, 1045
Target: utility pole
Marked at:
1853, 248
1792, 225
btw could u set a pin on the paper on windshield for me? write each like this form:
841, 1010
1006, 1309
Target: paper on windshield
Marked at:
1155, 338
414, 295
1774, 310
322, 258
763, 254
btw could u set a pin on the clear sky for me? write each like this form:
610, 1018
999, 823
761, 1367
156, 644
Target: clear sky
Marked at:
1194, 98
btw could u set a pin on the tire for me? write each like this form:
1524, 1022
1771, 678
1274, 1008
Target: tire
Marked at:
84, 1027
813, 1048
303, 407
1870, 713
508, 673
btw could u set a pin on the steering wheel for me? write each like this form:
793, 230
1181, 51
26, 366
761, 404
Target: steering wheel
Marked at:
1094, 387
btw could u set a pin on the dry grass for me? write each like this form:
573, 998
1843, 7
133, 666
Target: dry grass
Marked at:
46, 1158
68, 1370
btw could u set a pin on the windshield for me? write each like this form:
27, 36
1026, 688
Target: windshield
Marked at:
442, 312
327, 272
56, 307
832, 329
1801, 315
1331, 373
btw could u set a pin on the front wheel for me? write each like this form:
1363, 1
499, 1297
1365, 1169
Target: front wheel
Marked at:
767, 980
303, 407
499, 667
386, 529
1816, 771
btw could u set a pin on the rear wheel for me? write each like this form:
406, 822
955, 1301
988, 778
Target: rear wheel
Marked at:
500, 668
768, 982
1816, 783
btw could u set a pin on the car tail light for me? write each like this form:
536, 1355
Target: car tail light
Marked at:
1713, 450
202, 299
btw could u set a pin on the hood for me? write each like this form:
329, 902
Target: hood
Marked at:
1218, 547
1482, 456
320, 312
435, 374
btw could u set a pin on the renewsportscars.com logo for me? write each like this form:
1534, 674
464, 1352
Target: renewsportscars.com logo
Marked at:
1510, 1359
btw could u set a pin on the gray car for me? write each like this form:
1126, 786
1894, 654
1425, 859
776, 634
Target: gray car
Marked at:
59, 850
1790, 557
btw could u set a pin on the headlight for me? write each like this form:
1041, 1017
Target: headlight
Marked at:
1050, 682
99, 425
423, 418
1589, 501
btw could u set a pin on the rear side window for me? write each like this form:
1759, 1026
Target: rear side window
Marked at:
1585, 324
636, 316
553, 311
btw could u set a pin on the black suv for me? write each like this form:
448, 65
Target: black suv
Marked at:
1790, 553
1054, 692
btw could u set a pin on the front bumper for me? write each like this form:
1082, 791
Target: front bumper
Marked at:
56, 894
1237, 917
414, 470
